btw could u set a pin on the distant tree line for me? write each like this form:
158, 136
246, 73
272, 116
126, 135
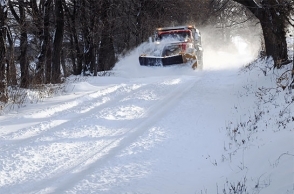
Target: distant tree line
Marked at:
44, 41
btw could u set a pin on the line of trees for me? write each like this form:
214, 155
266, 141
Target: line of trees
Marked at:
43, 41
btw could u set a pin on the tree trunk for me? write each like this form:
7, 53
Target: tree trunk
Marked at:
107, 58
76, 53
11, 75
79, 55
89, 55
48, 62
3, 83
89, 8
63, 64
292, 83
37, 11
106, 55
273, 24
273, 28
24, 68
45, 43
72, 54
57, 44
95, 61
87, 49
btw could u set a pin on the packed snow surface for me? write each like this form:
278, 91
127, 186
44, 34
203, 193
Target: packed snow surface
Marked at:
226, 129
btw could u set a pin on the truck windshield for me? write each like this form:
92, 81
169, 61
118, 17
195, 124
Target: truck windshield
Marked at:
178, 35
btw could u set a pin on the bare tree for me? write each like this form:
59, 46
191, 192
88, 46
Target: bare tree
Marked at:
91, 33
274, 17
57, 43
3, 81
107, 57
72, 13
11, 68
44, 58
21, 20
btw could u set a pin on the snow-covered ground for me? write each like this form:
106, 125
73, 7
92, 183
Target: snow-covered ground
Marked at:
226, 129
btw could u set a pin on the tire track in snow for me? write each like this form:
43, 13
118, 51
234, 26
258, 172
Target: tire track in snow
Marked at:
56, 111
64, 181
13, 148
60, 119
84, 161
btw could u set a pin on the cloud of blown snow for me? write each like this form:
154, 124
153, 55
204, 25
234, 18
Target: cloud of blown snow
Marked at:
239, 51
242, 49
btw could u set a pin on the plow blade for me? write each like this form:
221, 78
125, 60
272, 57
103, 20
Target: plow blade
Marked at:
160, 61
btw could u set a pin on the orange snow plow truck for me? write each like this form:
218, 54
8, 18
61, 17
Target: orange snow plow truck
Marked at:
174, 45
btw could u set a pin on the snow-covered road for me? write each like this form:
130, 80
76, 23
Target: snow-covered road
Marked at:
53, 148
69, 144
150, 130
